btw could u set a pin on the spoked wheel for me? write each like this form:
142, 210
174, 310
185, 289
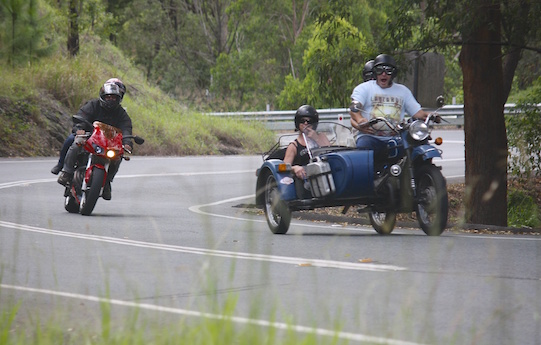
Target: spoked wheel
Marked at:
383, 222
433, 204
92, 193
276, 211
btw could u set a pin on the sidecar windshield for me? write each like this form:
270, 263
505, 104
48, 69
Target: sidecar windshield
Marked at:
331, 134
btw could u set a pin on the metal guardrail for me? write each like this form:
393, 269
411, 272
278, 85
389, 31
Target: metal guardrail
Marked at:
283, 120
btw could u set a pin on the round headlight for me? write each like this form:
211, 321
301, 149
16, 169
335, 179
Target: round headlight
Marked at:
111, 153
419, 130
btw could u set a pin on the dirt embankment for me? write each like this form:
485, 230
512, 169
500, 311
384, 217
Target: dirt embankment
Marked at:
32, 127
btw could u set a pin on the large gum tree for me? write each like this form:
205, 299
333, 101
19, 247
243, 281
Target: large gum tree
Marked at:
492, 35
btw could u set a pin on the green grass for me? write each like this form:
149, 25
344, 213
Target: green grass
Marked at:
522, 210
134, 328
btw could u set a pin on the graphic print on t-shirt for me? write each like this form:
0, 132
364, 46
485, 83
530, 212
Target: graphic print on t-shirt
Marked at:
387, 106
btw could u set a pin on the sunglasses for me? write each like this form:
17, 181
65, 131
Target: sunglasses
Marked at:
306, 121
389, 70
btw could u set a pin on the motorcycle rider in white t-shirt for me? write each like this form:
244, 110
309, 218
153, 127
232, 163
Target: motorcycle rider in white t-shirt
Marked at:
381, 98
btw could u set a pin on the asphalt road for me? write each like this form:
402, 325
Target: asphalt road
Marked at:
173, 243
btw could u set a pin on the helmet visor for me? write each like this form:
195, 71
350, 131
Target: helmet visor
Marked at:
111, 89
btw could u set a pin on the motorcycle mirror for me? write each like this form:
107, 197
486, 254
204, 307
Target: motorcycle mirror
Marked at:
440, 101
138, 140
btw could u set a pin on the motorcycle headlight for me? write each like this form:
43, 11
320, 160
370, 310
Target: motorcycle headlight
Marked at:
111, 153
419, 130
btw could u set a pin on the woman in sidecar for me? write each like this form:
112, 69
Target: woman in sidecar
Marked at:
297, 154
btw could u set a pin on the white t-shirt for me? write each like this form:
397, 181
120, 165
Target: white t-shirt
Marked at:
392, 102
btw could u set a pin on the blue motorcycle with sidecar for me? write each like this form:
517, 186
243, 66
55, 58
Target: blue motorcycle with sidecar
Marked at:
339, 174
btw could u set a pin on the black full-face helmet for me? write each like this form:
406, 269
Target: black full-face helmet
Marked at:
384, 63
368, 72
306, 111
110, 89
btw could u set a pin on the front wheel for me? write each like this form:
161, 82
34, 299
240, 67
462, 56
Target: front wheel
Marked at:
92, 192
276, 211
432, 201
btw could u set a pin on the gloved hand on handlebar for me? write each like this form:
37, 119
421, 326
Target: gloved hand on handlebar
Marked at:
435, 117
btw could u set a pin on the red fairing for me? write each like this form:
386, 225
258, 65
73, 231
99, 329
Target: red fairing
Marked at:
107, 137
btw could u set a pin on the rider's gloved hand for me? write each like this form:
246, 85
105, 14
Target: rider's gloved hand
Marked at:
435, 117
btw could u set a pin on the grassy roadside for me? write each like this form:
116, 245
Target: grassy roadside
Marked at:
38, 100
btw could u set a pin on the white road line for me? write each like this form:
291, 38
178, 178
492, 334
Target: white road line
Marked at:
197, 173
211, 252
235, 319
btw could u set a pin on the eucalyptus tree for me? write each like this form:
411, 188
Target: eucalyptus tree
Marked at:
492, 35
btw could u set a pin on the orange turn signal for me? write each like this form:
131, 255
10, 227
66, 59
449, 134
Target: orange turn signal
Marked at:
438, 141
283, 167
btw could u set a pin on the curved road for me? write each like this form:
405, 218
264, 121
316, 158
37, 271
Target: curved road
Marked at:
176, 242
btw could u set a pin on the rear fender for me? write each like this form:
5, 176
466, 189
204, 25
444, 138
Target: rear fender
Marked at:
284, 180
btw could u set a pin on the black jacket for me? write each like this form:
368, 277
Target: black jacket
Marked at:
93, 111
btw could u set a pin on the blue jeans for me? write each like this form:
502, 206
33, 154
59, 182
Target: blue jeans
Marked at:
67, 143
383, 147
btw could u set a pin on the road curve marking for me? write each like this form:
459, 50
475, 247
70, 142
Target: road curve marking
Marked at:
210, 252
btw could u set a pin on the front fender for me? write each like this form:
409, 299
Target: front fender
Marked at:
426, 152
284, 180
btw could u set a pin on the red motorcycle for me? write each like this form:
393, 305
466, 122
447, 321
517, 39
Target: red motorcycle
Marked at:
100, 147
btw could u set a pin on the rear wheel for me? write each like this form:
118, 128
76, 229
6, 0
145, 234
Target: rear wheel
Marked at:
92, 192
432, 201
276, 211
71, 205
73, 192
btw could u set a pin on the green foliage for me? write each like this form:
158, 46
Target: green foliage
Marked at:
241, 81
522, 210
333, 61
23, 35
524, 134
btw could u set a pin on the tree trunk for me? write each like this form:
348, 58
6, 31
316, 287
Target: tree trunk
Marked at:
484, 123
73, 33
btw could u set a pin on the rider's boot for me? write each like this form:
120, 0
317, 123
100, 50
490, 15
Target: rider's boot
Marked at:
69, 164
56, 169
65, 178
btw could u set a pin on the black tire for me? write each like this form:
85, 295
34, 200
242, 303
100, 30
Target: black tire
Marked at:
71, 205
433, 205
277, 213
383, 222
92, 193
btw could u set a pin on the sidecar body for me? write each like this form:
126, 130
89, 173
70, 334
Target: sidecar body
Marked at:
338, 174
